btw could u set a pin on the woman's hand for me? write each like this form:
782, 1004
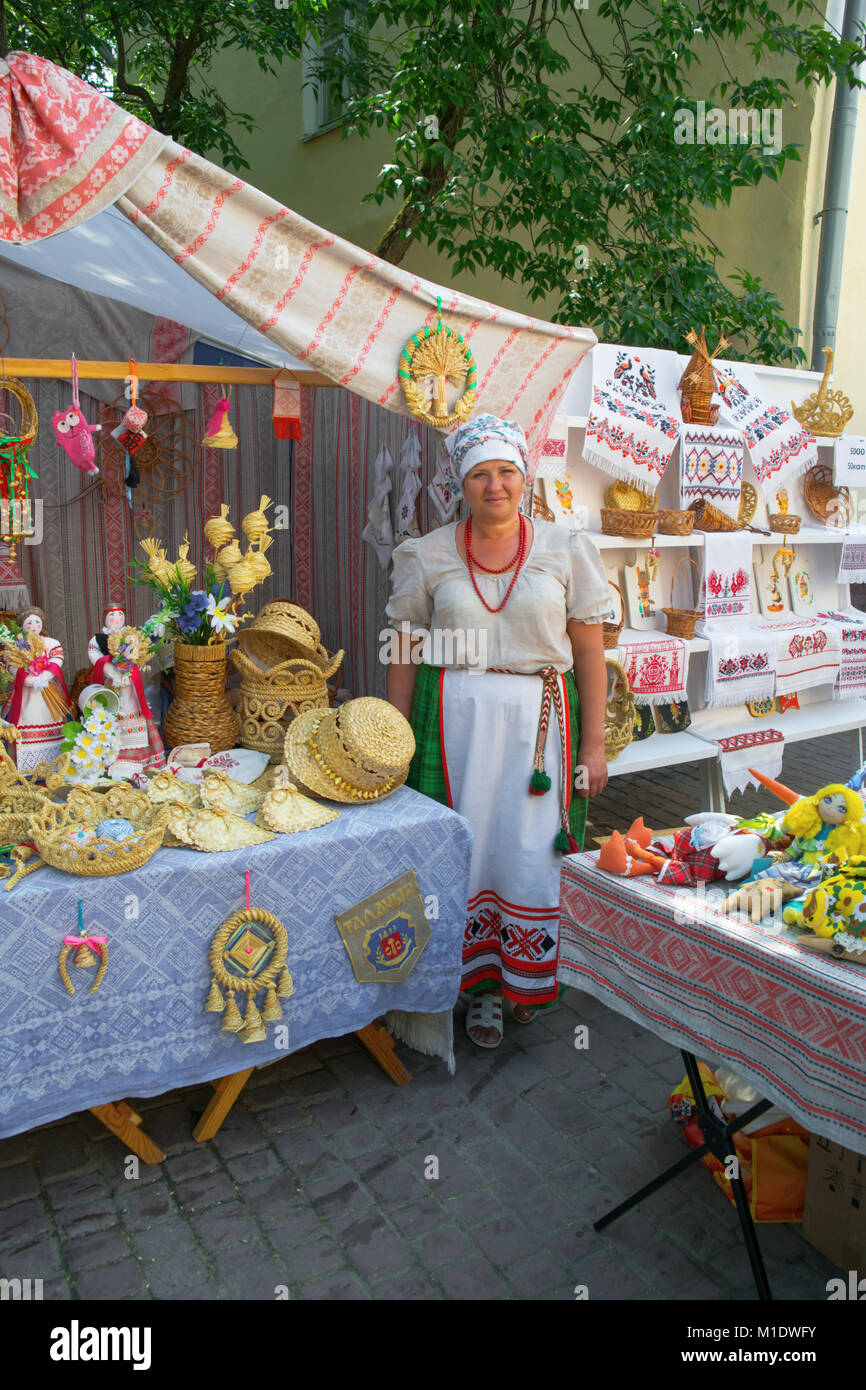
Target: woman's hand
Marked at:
590, 776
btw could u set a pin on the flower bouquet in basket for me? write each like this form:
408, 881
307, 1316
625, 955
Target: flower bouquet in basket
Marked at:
199, 617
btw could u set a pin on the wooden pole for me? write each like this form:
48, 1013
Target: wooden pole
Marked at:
59, 368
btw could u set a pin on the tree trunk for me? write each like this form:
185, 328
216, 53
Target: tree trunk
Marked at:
393, 245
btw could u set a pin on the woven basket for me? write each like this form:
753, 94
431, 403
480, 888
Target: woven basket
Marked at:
681, 621
784, 523
748, 504
709, 518
610, 631
829, 504
200, 711
17, 805
621, 523
618, 711
101, 857
282, 630
623, 497
270, 700
673, 523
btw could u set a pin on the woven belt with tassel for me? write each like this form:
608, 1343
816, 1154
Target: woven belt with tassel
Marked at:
539, 782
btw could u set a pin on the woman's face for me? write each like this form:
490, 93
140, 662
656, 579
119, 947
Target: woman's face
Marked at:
32, 624
493, 489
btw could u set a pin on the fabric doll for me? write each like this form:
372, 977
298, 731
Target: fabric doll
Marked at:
73, 434
39, 703
119, 668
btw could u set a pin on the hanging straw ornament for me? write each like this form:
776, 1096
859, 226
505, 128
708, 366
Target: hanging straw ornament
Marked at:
218, 432
247, 955
84, 946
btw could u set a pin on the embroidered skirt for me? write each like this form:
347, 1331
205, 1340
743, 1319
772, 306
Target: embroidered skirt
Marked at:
476, 736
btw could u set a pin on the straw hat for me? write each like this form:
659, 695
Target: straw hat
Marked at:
358, 752
281, 631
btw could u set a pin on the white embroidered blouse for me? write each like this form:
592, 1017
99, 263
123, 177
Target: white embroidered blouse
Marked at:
562, 580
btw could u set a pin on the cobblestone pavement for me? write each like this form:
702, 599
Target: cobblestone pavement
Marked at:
319, 1179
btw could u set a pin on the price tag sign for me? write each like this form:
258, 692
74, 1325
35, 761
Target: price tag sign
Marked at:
849, 464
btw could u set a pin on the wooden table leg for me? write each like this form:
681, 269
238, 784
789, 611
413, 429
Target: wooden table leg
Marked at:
123, 1121
227, 1089
380, 1044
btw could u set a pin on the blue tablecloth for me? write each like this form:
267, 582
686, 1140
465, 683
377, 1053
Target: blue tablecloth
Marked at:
146, 1031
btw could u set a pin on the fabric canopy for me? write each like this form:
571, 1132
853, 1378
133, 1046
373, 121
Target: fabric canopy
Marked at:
66, 153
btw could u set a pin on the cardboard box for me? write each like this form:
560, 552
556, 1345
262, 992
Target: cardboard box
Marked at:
834, 1217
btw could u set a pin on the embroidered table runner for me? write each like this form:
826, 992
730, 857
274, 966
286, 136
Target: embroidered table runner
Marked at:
851, 680
852, 562
726, 585
741, 664
711, 467
808, 653
657, 671
634, 418
761, 749
779, 446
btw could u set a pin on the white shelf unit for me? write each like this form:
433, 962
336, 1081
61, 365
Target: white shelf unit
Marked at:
818, 715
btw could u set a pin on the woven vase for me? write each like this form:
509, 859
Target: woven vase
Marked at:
200, 711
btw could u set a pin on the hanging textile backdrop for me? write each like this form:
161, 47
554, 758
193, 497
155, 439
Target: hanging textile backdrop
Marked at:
336, 575
66, 152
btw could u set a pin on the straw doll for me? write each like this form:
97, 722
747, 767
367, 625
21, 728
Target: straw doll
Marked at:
39, 703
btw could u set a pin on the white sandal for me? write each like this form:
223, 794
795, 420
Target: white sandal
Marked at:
485, 1011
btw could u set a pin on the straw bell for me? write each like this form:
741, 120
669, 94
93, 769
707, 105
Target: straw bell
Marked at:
218, 431
185, 569
218, 529
255, 524
241, 577
230, 554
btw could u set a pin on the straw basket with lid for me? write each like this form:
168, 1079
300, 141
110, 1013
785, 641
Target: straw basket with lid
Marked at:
356, 753
284, 672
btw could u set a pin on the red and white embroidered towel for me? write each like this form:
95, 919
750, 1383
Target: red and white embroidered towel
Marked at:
741, 664
808, 653
761, 749
851, 680
657, 671
711, 467
852, 562
726, 585
634, 417
779, 447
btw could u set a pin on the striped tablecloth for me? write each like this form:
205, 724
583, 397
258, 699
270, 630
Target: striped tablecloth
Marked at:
789, 1020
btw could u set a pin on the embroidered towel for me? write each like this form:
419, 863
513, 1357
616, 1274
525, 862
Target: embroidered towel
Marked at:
762, 749
551, 464
779, 446
808, 653
726, 586
657, 671
851, 680
634, 418
445, 491
378, 532
852, 563
711, 467
741, 664
410, 486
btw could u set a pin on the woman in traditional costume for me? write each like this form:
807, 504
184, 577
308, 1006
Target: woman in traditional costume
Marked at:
39, 704
507, 707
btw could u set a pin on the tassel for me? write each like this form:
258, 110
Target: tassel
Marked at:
215, 1002
232, 1021
573, 846
84, 958
254, 1029
272, 1012
539, 783
285, 985
561, 842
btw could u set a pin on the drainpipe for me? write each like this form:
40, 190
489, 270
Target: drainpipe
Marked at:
834, 214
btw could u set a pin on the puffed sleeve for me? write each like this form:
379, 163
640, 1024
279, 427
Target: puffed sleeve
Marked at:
588, 596
411, 600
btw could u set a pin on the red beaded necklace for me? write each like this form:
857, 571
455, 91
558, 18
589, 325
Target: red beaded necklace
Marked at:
519, 559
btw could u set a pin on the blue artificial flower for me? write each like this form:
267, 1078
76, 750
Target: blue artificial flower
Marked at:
190, 615
220, 591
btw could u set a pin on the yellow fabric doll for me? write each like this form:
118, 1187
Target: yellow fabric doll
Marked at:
830, 822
